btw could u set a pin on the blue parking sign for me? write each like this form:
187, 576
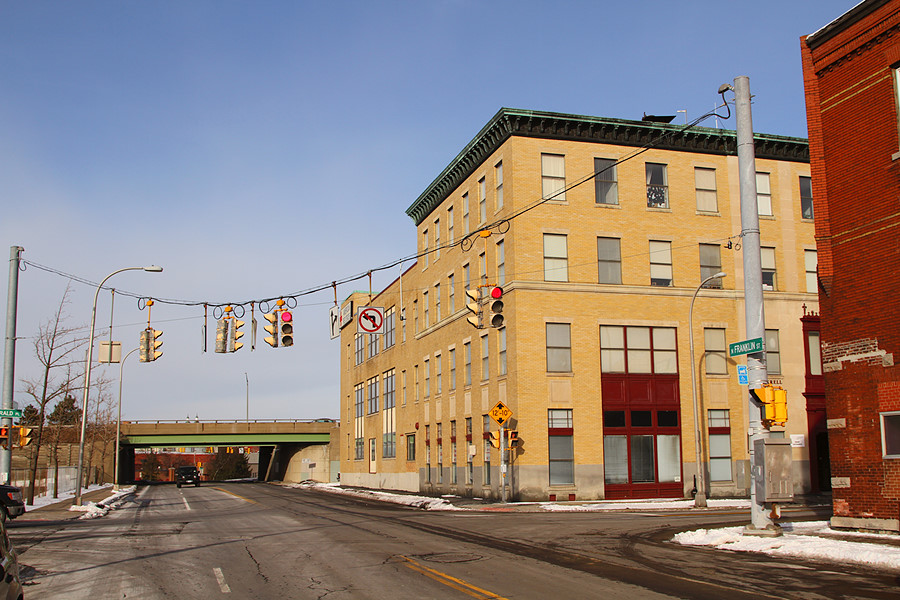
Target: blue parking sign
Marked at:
743, 379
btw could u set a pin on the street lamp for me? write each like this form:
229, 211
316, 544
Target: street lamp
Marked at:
119, 420
87, 373
700, 497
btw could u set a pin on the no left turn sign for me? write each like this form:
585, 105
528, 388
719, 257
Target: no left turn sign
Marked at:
370, 319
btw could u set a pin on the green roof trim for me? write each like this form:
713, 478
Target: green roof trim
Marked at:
510, 122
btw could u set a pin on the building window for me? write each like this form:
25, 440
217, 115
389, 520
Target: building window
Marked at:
389, 390
763, 194
465, 208
561, 450
425, 307
453, 452
482, 200
811, 262
553, 177
467, 275
359, 399
638, 349
372, 396
451, 357
485, 359
501, 263
767, 262
450, 238
501, 355
710, 264
719, 445
657, 186
389, 327
556, 258
890, 434
360, 348
498, 179
403, 384
416, 316
424, 248
609, 260
437, 239
815, 353
416, 382
773, 352
410, 446
559, 348
451, 293
470, 468
428, 453
606, 188
437, 302
660, 263
467, 360
705, 185
427, 367
403, 325
373, 344
806, 198
438, 384
716, 356
482, 267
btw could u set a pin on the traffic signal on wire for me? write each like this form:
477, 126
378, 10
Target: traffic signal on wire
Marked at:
272, 328
474, 307
234, 334
287, 328
222, 335
496, 304
150, 344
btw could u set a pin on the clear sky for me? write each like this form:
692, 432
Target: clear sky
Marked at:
255, 149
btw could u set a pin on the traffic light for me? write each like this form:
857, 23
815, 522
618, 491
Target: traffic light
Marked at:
496, 306
272, 328
4, 437
149, 344
24, 436
474, 307
512, 437
287, 329
235, 333
222, 335
495, 439
775, 399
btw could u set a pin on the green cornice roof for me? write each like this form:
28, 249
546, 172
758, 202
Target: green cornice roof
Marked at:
510, 122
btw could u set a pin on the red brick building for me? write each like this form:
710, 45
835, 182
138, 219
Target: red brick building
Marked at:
851, 69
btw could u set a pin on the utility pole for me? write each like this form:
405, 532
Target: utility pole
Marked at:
754, 314
9, 361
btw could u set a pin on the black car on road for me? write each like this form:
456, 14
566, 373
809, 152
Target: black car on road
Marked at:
11, 503
187, 476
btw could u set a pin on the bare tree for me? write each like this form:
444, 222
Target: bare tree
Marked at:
101, 427
55, 348
62, 420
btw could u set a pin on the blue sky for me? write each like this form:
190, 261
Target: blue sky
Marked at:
256, 149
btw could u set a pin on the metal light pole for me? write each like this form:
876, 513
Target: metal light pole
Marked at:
87, 374
248, 395
9, 359
119, 418
700, 497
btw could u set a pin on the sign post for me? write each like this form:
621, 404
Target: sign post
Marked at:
501, 414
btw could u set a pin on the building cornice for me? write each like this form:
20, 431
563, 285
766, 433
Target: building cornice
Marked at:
509, 122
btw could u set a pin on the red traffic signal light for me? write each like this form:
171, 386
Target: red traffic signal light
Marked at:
496, 318
497, 293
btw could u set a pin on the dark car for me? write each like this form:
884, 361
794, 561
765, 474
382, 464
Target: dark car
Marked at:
11, 503
187, 476
10, 582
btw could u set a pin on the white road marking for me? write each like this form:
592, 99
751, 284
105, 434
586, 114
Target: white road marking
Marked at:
186, 505
221, 579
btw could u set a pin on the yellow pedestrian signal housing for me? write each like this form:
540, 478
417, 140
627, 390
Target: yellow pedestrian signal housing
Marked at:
474, 307
24, 436
512, 437
496, 307
150, 344
775, 399
495, 439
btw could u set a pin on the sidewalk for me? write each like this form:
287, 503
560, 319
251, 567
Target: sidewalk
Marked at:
59, 511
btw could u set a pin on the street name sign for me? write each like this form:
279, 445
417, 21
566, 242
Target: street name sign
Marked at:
10, 413
745, 347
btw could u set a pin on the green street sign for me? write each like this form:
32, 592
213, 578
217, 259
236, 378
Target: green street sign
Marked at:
745, 347
11, 413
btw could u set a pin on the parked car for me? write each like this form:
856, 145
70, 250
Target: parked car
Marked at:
187, 475
10, 582
11, 503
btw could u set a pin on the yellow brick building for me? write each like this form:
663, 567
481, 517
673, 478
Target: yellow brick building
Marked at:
598, 231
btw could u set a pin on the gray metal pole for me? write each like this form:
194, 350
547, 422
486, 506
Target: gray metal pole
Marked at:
9, 358
119, 419
753, 293
503, 463
247, 379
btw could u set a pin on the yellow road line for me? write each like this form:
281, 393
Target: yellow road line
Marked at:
236, 495
450, 581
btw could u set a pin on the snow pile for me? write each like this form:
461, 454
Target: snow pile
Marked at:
93, 510
423, 502
603, 505
814, 540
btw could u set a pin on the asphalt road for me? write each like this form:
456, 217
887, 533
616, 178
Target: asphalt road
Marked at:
263, 541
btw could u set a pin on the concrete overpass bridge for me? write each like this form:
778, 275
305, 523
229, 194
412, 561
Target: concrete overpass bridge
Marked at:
286, 446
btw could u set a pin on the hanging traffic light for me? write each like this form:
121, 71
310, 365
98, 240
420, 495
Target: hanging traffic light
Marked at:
496, 306
144, 346
287, 328
234, 334
272, 328
474, 307
24, 436
149, 345
222, 335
